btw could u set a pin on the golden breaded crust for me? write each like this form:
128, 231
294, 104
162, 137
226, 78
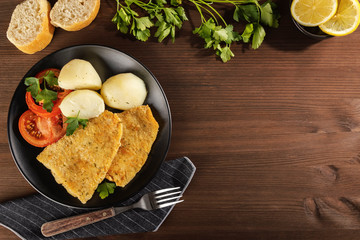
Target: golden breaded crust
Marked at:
139, 133
80, 161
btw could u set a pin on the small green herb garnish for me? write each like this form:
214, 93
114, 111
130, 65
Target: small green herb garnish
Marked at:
73, 124
106, 188
45, 95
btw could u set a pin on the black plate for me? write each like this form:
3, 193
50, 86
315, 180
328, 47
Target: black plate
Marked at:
107, 62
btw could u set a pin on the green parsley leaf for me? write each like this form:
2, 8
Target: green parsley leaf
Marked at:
172, 17
50, 78
164, 34
143, 23
258, 37
123, 27
237, 14
220, 34
181, 13
247, 12
232, 36
143, 35
140, 28
47, 96
246, 35
161, 3
34, 86
266, 14
132, 28
209, 42
159, 17
106, 188
172, 33
161, 27
226, 54
269, 14
73, 124
123, 16
163, 30
174, 2
83, 122
206, 29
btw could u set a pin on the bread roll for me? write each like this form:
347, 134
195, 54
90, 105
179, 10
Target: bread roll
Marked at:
30, 29
73, 15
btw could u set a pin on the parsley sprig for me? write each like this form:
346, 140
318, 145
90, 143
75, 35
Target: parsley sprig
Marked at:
74, 123
216, 32
44, 95
257, 16
106, 188
219, 35
165, 18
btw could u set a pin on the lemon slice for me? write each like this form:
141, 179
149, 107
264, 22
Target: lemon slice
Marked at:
311, 13
346, 19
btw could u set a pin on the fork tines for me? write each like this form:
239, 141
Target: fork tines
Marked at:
162, 196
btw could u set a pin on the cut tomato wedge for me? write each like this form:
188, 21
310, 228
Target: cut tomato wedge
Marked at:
41, 131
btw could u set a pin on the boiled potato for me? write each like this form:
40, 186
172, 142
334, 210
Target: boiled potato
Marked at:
87, 103
79, 74
124, 91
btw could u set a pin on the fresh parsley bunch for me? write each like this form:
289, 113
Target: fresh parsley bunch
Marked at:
220, 38
215, 31
165, 18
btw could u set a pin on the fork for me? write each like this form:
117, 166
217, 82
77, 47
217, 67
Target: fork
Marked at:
150, 201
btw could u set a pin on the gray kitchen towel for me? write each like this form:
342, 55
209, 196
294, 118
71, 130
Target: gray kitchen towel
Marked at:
25, 216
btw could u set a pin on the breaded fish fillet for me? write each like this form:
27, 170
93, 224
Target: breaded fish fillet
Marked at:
139, 133
80, 161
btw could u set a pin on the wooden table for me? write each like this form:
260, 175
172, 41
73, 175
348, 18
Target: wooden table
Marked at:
274, 133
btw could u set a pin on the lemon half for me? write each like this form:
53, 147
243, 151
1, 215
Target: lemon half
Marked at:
346, 19
311, 13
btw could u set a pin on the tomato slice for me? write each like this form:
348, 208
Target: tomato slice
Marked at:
41, 131
58, 127
42, 73
38, 109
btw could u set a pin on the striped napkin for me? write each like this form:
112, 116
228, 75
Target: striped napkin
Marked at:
26, 215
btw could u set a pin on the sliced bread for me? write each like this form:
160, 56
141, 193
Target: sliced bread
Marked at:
73, 15
30, 29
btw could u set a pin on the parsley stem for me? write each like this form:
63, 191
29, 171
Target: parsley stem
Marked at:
199, 7
208, 4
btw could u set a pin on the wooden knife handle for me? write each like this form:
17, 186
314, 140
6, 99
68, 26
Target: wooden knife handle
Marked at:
66, 224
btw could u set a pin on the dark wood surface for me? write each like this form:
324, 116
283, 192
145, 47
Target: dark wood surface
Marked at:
274, 133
